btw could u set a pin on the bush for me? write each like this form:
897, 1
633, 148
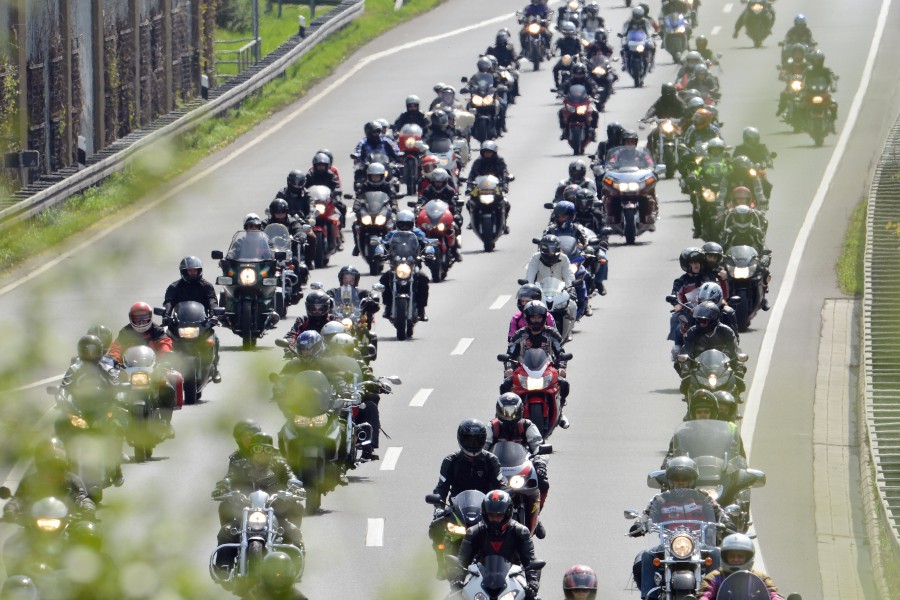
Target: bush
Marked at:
234, 15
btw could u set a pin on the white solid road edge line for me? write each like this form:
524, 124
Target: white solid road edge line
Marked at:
462, 346
375, 532
389, 462
420, 397
33, 385
500, 301
751, 407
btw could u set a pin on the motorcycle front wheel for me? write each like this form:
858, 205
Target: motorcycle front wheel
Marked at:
629, 225
247, 324
401, 321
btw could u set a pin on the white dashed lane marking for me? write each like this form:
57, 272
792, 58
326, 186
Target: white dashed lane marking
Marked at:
462, 346
500, 301
715, 30
389, 462
727, 8
420, 397
375, 532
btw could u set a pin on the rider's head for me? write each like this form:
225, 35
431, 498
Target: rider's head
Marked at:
692, 59
668, 90
630, 139
577, 170
471, 434
51, 459
580, 583
741, 196
243, 433
568, 29
90, 349
637, 13
564, 212
703, 405
689, 257
321, 162
710, 292
535, 316
310, 344
252, 222
681, 472
715, 147
488, 150
102, 332
412, 103
278, 208
318, 305
713, 255
376, 173
527, 293
509, 408
496, 511
579, 71
706, 316
800, 21
750, 135
817, 59
295, 180
727, 404
484, 65
549, 249
737, 553
439, 178
261, 449
702, 118
702, 42
373, 132
405, 220
140, 316
348, 275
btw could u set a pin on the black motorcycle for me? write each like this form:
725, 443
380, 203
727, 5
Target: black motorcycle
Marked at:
484, 103
758, 20
249, 285
712, 371
195, 344
487, 210
746, 287
406, 262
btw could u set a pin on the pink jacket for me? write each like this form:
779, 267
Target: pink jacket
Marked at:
518, 322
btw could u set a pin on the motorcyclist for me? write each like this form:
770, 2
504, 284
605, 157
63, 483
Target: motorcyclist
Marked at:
441, 189
498, 534
509, 425
689, 62
562, 66
591, 21
489, 162
580, 77
252, 223
708, 333
507, 57
377, 180
741, 174
349, 275
614, 133
702, 128
323, 172
278, 214
681, 473
712, 270
193, 287
440, 128
737, 553
243, 433
548, 261
702, 45
577, 176
264, 470
629, 154
799, 33
580, 583
412, 114
537, 335
667, 106
599, 50
742, 18
562, 222
757, 152
50, 476
712, 292
569, 43
538, 9
469, 468
295, 194
526, 294
90, 366
686, 288
277, 576
406, 221
818, 70
374, 141
438, 89
704, 82
318, 312
639, 21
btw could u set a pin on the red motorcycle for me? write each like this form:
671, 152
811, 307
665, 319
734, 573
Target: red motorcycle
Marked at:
578, 112
436, 220
411, 147
327, 223
536, 381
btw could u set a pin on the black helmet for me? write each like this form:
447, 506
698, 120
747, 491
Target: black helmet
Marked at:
192, 262
550, 249
439, 119
579, 70
702, 42
509, 407
713, 253
668, 89
580, 578
102, 332
535, 311
630, 136
577, 169
688, 256
703, 399
348, 270
502, 38
327, 153
244, 431
321, 158
489, 146
296, 179
373, 130
496, 510
278, 205
471, 436
726, 403
318, 304
741, 163
614, 133
90, 348
406, 220
484, 64
683, 468
570, 192
706, 316
750, 136
817, 58
278, 571
527, 293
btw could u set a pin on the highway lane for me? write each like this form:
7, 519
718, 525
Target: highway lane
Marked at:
620, 376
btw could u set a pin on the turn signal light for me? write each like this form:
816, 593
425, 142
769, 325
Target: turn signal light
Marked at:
708, 562
656, 562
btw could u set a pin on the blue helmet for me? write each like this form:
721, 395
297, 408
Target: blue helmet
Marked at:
800, 20
310, 344
564, 208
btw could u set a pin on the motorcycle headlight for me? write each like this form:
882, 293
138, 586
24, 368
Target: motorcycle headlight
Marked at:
599, 71
257, 520
403, 271
248, 277
477, 100
817, 100
713, 380
679, 29
456, 529
682, 546
639, 48
486, 198
347, 323
630, 186
573, 268
757, 8
752, 172
709, 195
410, 142
508, 596
516, 482
581, 110
78, 422
317, 421
366, 220
48, 524
534, 383
741, 272
667, 127
441, 227
188, 333
796, 85
140, 379
380, 220
573, 5
534, 28
488, 100
320, 208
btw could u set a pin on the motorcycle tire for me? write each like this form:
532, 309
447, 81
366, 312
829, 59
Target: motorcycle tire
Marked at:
320, 253
669, 161
375, 267
628, 216
191, 392
488, 246
401, 320
247, 325
627, 3
313, 499
536, 57
142, 453
817, 131
437, 266
742, 311
538, 419
576, 140
280, 304
410, 325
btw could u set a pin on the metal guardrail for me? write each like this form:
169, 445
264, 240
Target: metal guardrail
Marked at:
57, 187
881, 323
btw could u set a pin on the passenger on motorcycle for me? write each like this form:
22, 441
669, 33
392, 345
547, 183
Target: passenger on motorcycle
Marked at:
562, 222
318, 312
712, 292
708, 333
50, 476
440, 128
509, 425
799, 33
569, 43
377, 180
526, 294
489, 162
741, 174
599, 49
264, 470
577, 176
295, 194
580, 583
406, 221
412, 114
499, 534
687, 289
629, 154
549, 261
689, 62
614, 133
279, 214
737, 552
374, 141
704, 82
681, 473
712, 265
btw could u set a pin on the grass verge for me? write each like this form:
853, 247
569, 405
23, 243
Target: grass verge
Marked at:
111, 199
849, 266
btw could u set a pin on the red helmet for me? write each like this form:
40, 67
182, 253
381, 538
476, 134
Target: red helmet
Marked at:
429, 164
140, 315
580, 578
741, 195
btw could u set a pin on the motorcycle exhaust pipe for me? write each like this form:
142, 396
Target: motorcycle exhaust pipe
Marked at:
362, 436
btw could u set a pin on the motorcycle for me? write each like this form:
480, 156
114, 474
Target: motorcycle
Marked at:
249, 285
817, 112
635, 58
146, 426
403, 252
578, 107
436, 220
603, 75
716, 448
194, 343
712, 371
686, 525
758, 20
676, 31
570, 11
485, 104
374, 220
410, 143
794, 109
487, 210
495, 579
447, 153
536, 381
463, 511
327, 223
260, 534
288, 289
348, 309
665, 149
629, 197
517, 468
704, 185
745, 282
535, 44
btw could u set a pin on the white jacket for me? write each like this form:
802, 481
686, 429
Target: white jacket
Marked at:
538, 271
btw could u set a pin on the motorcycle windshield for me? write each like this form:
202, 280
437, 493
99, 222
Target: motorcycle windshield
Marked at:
319, 194
378, 157
468, 505
375, 201
404, 245
637, 36
279, 237
817, 85
673, 20
742, 585
250, 246
346, 301
577, 94
307, 393
713, 361
435, 209
190, 313
139, 356
411, 129
510, 454
494, 572
444, 159
535, 360
568, 244
552, 286
441, 146
711, 444
342, 368
742, 255
623, 159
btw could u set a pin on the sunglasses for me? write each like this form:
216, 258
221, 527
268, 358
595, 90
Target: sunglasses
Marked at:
262, 449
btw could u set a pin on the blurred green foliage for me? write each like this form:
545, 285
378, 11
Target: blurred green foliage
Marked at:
849, 267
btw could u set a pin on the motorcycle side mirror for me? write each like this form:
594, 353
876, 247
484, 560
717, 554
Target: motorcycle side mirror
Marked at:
306, 228
411, 203
734, 300
535, 241
348, 196
759, 477
656, 479
794, 597
773, 155
565, 356
544, 449
502, 357
316, 285
464, 79
521, 281
781, 44
594, 243
742, 357
631, 514
659, 169
282, 343
219, 311
641, 126
463, 178
5, 494
394, 379
606, 231
216, 255
620, 35
434, 500
159, 312
280, 255
767, 252
554, 90
354, 156
511, 177
672, 299
548, 205
378, 287
53, 390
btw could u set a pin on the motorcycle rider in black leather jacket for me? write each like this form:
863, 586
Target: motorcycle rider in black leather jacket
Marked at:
489, 162
412, 114
295, 194
278, 211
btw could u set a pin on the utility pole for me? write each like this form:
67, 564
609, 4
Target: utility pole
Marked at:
22, 55
256, 48
65, 13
